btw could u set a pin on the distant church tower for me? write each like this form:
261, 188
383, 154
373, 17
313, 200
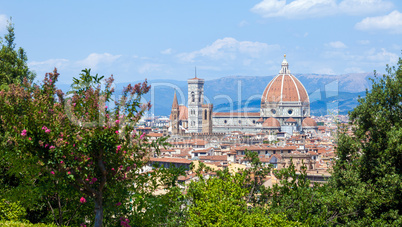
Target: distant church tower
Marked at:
195, 101
175, 116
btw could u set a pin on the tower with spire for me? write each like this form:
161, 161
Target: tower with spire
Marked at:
175, 113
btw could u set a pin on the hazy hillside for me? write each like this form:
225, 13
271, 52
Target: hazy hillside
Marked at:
248, 90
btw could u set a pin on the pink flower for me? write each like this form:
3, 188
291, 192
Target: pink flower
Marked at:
118, 204
29, 138
46, 145
83, 225
87, 179
44, 128
124, 152
73, 145
142, 136
50, 80
117, 132
24, 132
47, 130
68, 172
52, 147
94, 179
105, 107
82, 200
113, 169
61, 162
52, 172
117, 121
74, 104
118, 147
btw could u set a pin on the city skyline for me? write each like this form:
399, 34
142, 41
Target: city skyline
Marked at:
165, 40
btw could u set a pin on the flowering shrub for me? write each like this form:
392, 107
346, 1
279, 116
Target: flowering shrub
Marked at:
78, 141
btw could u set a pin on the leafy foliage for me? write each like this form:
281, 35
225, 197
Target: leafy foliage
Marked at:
369, 166
10, 211
231, 199
13, 63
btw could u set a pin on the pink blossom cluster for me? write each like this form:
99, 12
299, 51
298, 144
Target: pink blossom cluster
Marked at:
24, 132
93, 180
82, 200
118, 148
124, 222
46, 129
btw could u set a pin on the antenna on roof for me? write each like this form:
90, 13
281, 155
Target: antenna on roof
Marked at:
195, 71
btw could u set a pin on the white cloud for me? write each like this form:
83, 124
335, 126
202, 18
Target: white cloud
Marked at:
243, 23
364, 7
229, 48
3, 22
48, 65
94, 60
325, 70
354, 70
391, 22
337, 45
167, 51
149, 67
319, 8
382, 57
363, 42
295, 9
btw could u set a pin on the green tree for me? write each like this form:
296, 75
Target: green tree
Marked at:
13, 62
368, 170
232, 199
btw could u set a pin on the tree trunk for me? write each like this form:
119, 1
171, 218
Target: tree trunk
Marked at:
98, 212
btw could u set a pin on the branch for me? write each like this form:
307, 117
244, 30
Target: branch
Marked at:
55, 220
103, 171
60, 211
68, 222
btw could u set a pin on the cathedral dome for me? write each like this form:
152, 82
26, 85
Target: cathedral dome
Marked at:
309, 122
284, 88
271, 123
285, 97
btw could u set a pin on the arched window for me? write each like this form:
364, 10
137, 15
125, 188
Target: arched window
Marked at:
205, 115
192, 96
199, 97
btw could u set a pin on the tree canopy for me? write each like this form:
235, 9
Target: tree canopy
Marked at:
13, 62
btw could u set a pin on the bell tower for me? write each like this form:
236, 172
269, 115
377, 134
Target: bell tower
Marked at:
195, 101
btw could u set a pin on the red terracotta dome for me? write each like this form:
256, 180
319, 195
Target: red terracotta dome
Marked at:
290, 120
271, 123
284, 88
309, 122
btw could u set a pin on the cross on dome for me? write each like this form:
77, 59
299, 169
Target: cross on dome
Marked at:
285, 66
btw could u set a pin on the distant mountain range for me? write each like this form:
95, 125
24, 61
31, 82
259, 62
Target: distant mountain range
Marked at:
326, 92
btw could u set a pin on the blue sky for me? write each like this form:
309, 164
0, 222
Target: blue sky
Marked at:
165, 39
